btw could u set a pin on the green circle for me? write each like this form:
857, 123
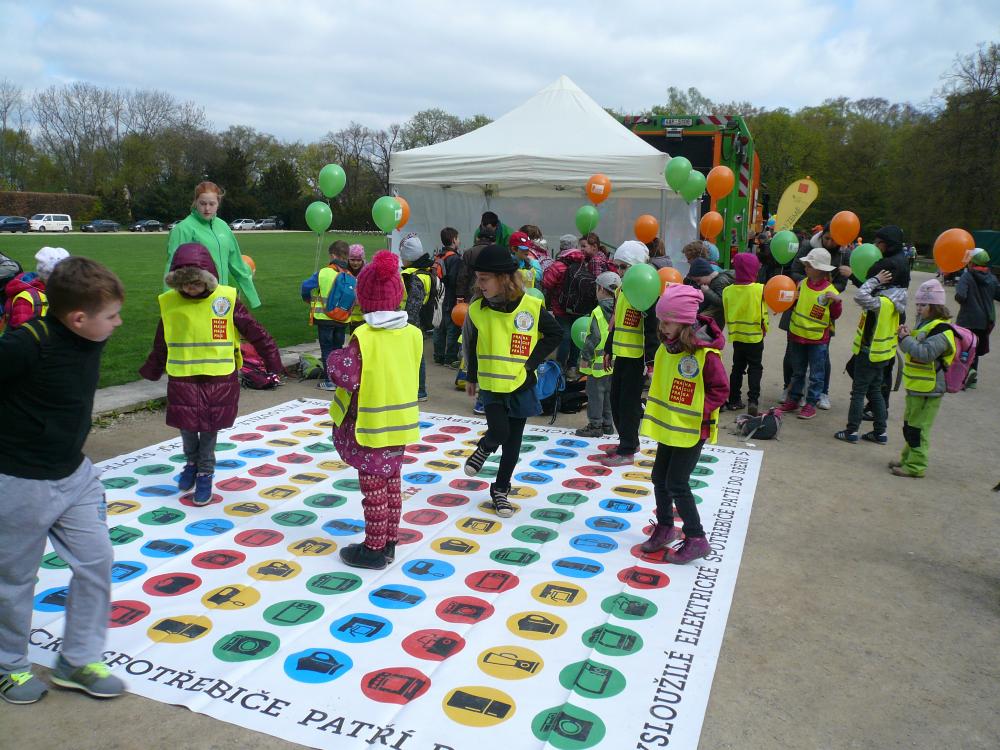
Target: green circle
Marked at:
348, 485
293, 612
552, 515
246, 645
697, 498
612, 640
488, 471
568, 727
225, 446
629, 607
568, 498
706, 458
533, 438
119, 483
151, 469
321, 447
325, 500
591, 679
123, 535
52, 561
697, 484
179, 458
494, 459
162, 516
294, 518
701, 471
517, 556
329, 584
535, 534
526, 448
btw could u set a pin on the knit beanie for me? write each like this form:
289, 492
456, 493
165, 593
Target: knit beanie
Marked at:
700, 267
745, 267
410, 249
47, 258
380, 286
930, 293
891, 235
679, 304
495, 259
609, 281
567, 241
356, 252
632, 252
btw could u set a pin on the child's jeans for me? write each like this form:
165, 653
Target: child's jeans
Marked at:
747, 357
199, 449
867, 384
71, 513
811, 357
599, 401
331, 336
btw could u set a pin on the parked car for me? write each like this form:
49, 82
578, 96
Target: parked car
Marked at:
51, 223
13, 224
242, 224
146, 225
173, 224
101, 225
271, 222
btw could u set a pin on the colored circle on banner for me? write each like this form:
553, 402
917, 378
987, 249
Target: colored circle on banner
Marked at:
408, 536
162, 516
218, 559
360, 627
567, 498
468, 485
533, 438
271, 427
425, 517
558, 594
629, 607
246, 437
275, 570
209, 527
547, 464
294, 518
519, 492
321, 447
419, 448
52, 561
491, 581
537, 626
439, 464
235, 484
701, 471
465, 609
552, 515
232, 597
125, 612
313, 546
708, 458
179, 629
597, 544
332, 465
607, 524
455, 546
510, 662
344, 526
325, 500
535, 534
655, 558
486, 507
630, 490
592, 679
396, 596
620, 506
121, 483
422, 477
459, 453
126, 570
338, 582
433, 644
637, 476
171, 584
568, 727
398, 685
447, 500
153, 469
122, 507
123, 535
266, 471
347, 485
315, 666
279, 492
638, 577
424, 569
246, 645
533, 477
478, 706
282, 443
52, 600
187, 499
308, 477
561, 453
577, 567
478, 526
612, 640
258, 537
229, 464
697, 484
438, 439
571, 443
307, 433
455, 429
293, 612
245, 509
519, 556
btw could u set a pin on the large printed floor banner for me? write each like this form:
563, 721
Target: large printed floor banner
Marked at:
547, 629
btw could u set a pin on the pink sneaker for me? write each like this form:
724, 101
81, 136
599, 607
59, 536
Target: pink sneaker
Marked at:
619, 459
789, 406
693, 548
808, 412
662, 536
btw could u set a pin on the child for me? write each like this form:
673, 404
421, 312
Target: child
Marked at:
874, 346
331, 334
746, 321
813, 316
449, 265
48, 488
25, 293
419, 288
530, 269
927, 351
976, 290
355, 262
506, 335
682, 412
375, 406
599, 419
712, 283
197, 343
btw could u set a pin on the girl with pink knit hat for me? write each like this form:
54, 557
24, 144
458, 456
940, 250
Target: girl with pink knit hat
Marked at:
682, 412
355, 262
375, 406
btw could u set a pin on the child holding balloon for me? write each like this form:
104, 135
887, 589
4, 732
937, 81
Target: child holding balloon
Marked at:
599, 419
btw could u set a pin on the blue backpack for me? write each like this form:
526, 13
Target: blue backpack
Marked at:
341, 298
550, 383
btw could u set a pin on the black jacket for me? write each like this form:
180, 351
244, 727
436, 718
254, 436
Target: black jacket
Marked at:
895, 262
975, 294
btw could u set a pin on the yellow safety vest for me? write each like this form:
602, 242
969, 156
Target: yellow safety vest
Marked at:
406, 285
746, 318
627, 339
921, 377
884, 338
504, 343
810, 319
596, 369
41, 301
676, 401
321, 293
387, 399
201, 334
528, 274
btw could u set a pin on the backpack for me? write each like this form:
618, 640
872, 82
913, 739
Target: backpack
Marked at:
257, 378
440, 261
578, 293
342, 297
957, 373
309, 367
764, 426
570, 401
9, 270
550, 383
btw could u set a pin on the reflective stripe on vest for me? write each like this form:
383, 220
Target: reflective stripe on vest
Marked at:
810, 319
921, 377
596, 368
627, 339
676, 400
201, 334
388, 414
746, 319
407, 272
884, 338
39, 302
504, 343
326, 277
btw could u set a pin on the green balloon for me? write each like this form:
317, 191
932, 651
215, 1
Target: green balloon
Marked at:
332, 180
533, 292
863, 258
586, 219
387, 212
693, 187
641, 286
578, 333
677, 171
319, 216
784, 246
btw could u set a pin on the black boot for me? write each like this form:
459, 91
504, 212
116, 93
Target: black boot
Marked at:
360, 556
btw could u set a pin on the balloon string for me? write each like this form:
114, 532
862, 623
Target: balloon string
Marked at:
319, 239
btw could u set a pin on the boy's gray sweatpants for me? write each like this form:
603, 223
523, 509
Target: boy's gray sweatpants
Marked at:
71, 512
599, 400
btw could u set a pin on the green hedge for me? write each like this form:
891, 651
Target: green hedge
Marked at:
79, 207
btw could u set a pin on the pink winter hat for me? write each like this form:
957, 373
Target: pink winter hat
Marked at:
930, 293
380, 286
356, 252
679, 304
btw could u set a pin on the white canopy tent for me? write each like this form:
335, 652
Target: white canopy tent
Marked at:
531, 166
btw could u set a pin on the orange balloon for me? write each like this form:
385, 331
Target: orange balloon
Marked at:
598, 188
950, 248
720, 181
646, 228
405, 216
669, 276
249, 261
845, 227
458, 313
710, 225
779, 293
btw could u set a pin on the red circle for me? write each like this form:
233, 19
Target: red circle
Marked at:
407, 459
581, 484
420, 448
492, 581
408, 536
272, 427
171, 584
447, 500
295, 458
125, 612
235, 484
398, 685
295, 419
258, 537
432, 644
468, 485
592, 470
266, 470
638, 577
425, 517
186, 500
245, 437
455, 429
596, 457
437, 439
606, 447
655, 558
464, 609
317, 411
218, 559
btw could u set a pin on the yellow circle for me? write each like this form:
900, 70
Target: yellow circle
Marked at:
275, 570
439, 464
536, 626
231, 597
314, 546
332, 465
487, 507
637, 476
630, 490
279, 492
308, 433
559, 594
282, 442
179, 629
478, 706
245, 509
328, 423
651, 452
453, 545
478, 526
308, 477
510, 662
121, 507
521, 492
458, 453
471, 443
644, 464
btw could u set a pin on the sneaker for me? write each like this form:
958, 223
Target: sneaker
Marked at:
607, 429
611, 450
752, 408
736, 405
425, 397
899, 471
94, 679
786, 393
824, 402
662, 536
692, 548
847, 437
21, 688
478, 408
590, 431
474, 463
186, 480
359, 556
326, 385
389, 550
895, 464
808, 412
203, 490
879, 438
789, 405
619, 459
501, 505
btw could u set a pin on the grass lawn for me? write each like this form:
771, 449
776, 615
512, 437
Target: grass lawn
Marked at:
283, 260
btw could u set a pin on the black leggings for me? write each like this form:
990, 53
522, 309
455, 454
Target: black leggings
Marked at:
503, 432
671, 472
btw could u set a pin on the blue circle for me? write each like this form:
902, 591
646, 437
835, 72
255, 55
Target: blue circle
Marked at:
229, 464
616, 505
422, 477
165, 547
360, 627
52, 600
561, 453
571, 443
158, 490
126, 570
317, 665
533, 477
425, 425
255, 452
607, 524
428, 570
597, 544
396, 596
544, 464
344, 526
209, 527
577, 567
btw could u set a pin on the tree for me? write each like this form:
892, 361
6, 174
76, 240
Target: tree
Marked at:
279, 193
430, 126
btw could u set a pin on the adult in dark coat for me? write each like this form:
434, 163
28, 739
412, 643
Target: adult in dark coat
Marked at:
975, 294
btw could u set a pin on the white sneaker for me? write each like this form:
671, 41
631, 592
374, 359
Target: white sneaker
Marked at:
824, 402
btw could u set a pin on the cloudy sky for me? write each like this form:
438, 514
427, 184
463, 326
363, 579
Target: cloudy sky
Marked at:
299, 69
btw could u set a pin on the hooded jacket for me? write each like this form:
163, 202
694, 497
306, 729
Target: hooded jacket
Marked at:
975, 294
22, 310
552, 278
712, 304
893, 260
205, 403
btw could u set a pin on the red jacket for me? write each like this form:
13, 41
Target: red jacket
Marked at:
21, 311
552, 279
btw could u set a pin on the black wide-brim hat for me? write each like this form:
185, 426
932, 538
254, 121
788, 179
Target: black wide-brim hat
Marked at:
495, 259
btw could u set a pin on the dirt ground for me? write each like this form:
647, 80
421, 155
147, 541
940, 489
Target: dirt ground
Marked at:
865, 616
